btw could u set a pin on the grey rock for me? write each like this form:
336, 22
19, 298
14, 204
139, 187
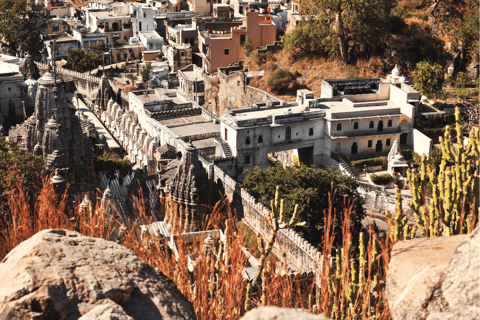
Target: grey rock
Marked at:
275, 313
441, 316
415, 275
461, 287
435, 279
108, 310
60, 274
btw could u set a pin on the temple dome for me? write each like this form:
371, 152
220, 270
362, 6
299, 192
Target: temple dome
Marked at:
396, 72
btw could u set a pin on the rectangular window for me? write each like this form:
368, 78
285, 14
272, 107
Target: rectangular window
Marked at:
125, 56
242, 38
388, 142
227, 51
226, 134
247, 159
182, 54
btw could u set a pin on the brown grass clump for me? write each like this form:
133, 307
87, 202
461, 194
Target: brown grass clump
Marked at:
216, 287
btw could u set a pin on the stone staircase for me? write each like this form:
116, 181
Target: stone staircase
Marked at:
228, 151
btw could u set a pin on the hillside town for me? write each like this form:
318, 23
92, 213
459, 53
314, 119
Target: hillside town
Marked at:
154, 113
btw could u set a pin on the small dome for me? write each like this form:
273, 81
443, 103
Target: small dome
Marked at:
399, 157
57, 178
30, 82
396, 72
138, 127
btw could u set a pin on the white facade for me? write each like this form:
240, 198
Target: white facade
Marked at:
151, 40
143, 18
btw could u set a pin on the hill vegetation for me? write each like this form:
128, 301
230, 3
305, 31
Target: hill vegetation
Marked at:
336, 39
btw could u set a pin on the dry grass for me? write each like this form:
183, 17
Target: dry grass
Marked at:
216, 288
313, 70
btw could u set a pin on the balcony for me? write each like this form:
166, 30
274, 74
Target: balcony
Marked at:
363, 133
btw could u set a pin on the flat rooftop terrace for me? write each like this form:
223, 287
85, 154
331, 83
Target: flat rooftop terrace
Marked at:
196, 128
347, 108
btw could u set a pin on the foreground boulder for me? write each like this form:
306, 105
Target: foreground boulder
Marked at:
60, 274
435, 279
275, 313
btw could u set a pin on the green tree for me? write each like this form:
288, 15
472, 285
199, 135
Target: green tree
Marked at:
466, 34
364, 22
308, 187
132, 77
311, 37
87, 60
99, 48
146, 72
112, 168
20, 26
30, 166
75, 57
427, 78
248, 46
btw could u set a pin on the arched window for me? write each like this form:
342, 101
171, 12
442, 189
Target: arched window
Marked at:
388, 142
379, 146
140, 26
355, 126
354, 148
339, 127
260, 139
389, 123
371, 125
247, 159
310, 132
288, 133
380, 126
247, 141
370, 142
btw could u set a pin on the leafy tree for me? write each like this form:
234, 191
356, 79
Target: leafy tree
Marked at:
110, 166
30, 166
364, 22
248, 46
427, 78
308, 187
311, 37
99, 48
88, 59
146, 72
75, 57
20, 26
132, 77
280, 80
466, 34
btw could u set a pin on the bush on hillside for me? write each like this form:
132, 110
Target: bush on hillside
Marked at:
281, 80
371, 162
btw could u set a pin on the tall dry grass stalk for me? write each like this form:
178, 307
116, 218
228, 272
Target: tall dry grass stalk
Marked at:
350, 280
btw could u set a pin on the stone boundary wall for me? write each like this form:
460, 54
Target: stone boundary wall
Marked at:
71, 73
378, 200
260, 94
300, 254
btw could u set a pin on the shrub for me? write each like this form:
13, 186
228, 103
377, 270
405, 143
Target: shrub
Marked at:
371, 162
382, 179
281, 80
120, 42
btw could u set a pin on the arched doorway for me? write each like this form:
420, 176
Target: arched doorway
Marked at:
379, 146
380, 125
354, 148
288, 133
403, 138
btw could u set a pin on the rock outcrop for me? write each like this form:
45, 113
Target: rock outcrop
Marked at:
275, 313
60, 274
435, 279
